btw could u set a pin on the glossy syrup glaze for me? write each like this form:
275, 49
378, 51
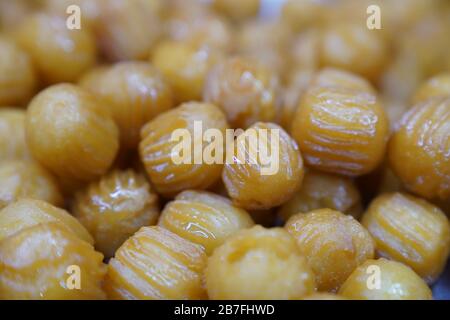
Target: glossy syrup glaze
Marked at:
115, 207
204, 218
156, 264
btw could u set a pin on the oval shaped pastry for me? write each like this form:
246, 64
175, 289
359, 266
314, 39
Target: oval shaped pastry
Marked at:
135, 93
59, 54
115, 207
419, 149
204, 218
334, 244
258, 263
71, 133
264, 167
127, 30
46, 261
159, 144
353, 47
156, 264
410, 230
248, 92
396, 282
185, 67
341, 130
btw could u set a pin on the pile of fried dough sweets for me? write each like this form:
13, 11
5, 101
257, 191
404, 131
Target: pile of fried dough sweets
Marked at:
92, 205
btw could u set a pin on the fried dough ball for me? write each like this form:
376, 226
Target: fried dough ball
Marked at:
59, 54
115, 207
156, 264
410, 230
389, 280
204, 218
353, 47
14, 12
127, 30
266, 42
264, 167
185, 67
333, 77
419, 149
296, 85
334, 245
200, 28
302, 14
135, 93
43, 262
237, 9
159, 148
341, 127
258, 263
71, 133
247, 91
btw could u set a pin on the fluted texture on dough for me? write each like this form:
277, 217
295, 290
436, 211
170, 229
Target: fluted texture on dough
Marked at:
341, 130
156, 264
204, 218
156, 148
410, 230
419, 150
115, 207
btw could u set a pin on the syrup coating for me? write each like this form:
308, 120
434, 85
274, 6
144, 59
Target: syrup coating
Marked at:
135, 93
156, 148
62, 57
156, 264
246, 90
115, 207
397, 282
261, 179
204, 218
334, 244
410, 230
341, 130
34, 264
71, 133
419, 149
185, 67
258, 263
